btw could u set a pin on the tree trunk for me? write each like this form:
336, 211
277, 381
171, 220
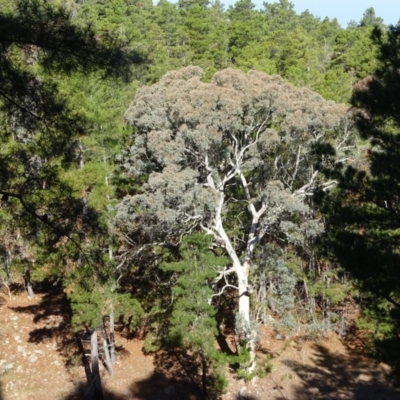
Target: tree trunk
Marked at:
204, 375
95, 378
112, 337
84, 359
28, 283
247, 332
7, 266
244, 299
106, 349
81, 157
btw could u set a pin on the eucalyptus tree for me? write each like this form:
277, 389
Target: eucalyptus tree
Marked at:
243, 142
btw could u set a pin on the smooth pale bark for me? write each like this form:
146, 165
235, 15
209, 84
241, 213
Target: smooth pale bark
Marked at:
95, 378
241, 270
28, 283
106, 349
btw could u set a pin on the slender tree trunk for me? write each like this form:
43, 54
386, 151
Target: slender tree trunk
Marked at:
106, 349
85, 363
95, 378
204, 375
28, 283
112, 337
81, 156
7, 266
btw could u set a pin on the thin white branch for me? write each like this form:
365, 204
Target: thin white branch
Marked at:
328, 185
227, 285
247, 193
296, 166
303, 190
208, 168
223, 290
346, 136
192, 217
223, 274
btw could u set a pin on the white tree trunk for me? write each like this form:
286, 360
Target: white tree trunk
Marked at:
244, 300
246, 331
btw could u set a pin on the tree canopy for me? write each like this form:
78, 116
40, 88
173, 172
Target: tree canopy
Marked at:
233, 190
242, 144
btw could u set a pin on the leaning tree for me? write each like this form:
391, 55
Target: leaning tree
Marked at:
238, 150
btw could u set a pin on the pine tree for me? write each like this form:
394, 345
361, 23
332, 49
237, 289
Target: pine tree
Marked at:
363, 213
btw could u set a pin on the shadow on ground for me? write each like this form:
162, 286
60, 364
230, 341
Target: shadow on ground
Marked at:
53, 315
81, 392
337, 376
159, 387
156, 387
53, 303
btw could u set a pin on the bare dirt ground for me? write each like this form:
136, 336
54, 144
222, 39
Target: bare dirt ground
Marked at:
37, 362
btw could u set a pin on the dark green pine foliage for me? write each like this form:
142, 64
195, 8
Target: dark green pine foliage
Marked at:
191, 326
363, 214
205, 27
355, 55
167, 40
89, 307
51, 64
40, 45
247, 35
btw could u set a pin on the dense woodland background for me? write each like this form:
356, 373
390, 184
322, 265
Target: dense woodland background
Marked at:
270, 156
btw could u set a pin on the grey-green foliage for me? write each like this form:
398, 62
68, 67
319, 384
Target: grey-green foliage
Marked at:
273, 286
191, 137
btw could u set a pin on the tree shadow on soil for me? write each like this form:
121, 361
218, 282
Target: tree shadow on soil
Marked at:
336, 376
54, 301
160, 387
81, 392
156, 387
53, 313
175, 376
53, 310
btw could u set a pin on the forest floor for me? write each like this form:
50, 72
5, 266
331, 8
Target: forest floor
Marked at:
38, 362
